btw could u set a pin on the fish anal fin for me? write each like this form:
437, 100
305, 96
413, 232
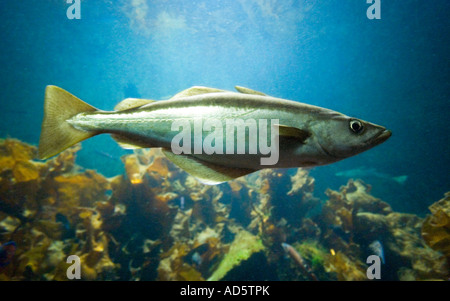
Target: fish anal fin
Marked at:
248, 91
130, 142
206, 172
131, 103
196, 90
293, 132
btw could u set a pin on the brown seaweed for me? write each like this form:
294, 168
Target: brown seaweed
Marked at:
155, 222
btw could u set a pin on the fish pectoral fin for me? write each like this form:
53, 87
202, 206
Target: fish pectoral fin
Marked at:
248, 91
206, 172
130, 142
131, 103
285, 131
196, 90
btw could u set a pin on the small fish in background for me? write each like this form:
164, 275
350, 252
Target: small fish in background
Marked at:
106, 155
299, 260
377, 248
363, 172
195, 256
197, 259
7, 251
182, 203
68, 231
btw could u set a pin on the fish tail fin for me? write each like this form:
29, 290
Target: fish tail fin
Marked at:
401, 179
56, 133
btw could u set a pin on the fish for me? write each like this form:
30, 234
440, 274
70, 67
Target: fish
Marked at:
105, 154
196, 259
299, 260
377, 247
301, 135
182, 203
7, 251
68, 230
373, 173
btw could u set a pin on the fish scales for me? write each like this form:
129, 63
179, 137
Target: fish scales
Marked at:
300, 134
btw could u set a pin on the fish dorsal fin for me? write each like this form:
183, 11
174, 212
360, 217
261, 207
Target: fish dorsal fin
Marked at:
131, 103
206, 172
196, 90
129, 142
248, 91
292, 132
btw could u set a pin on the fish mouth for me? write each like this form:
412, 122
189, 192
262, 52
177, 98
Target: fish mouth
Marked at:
380, 137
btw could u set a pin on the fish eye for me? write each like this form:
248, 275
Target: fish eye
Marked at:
356, 126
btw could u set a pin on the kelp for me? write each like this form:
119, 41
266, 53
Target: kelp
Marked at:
156, 222
352, 219
436, 227
243, 247
345, 268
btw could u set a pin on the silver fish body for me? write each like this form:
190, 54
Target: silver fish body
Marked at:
363, 172
306, 135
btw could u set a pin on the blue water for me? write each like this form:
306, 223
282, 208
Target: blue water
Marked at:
393, 71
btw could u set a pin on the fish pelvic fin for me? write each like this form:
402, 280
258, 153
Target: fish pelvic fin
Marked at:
206, 172
56, 133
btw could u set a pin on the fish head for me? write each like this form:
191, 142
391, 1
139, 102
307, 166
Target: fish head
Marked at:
342, 136
197, 258
285, 247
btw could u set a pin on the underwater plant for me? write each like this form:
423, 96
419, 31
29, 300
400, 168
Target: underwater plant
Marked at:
156, 222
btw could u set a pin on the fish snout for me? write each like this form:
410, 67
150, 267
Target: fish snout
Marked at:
383, 136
